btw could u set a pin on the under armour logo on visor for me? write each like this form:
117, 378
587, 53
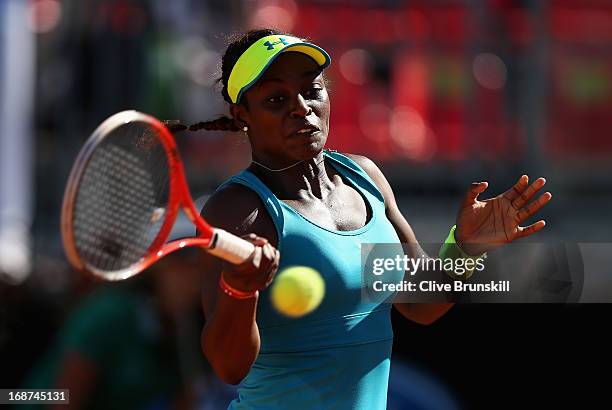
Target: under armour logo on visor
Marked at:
271, 45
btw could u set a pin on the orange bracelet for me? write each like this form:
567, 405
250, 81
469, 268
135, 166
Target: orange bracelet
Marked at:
235, 293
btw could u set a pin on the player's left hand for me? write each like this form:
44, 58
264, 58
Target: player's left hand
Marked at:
485, 225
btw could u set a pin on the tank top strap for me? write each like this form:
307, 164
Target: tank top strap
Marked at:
355, 174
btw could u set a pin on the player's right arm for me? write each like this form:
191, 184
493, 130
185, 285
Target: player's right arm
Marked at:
230, 338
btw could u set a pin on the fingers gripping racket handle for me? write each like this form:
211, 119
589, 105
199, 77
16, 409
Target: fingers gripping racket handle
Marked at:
230, 247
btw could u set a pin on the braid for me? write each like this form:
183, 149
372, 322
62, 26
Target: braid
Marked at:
174, 126
220, 124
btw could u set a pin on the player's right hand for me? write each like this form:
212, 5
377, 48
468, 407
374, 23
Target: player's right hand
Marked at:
257, 272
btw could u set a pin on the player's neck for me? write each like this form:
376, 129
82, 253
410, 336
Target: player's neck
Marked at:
306, 179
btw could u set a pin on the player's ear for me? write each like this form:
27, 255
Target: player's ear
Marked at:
239, 115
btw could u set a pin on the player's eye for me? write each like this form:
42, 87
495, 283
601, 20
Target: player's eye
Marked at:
276, 99
314, 92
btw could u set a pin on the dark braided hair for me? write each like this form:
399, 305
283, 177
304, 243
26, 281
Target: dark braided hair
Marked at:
238, 44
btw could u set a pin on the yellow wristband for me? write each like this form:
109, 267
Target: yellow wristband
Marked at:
451, 250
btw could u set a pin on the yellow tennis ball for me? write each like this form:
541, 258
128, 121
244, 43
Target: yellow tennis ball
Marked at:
297, 291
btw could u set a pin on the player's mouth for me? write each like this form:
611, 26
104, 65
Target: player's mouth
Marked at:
306, 131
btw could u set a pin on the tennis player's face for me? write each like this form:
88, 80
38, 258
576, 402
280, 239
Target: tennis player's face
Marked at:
288, 110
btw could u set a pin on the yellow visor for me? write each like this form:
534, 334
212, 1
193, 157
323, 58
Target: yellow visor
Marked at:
254, 61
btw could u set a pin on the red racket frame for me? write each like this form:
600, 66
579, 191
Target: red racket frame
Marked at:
178, 197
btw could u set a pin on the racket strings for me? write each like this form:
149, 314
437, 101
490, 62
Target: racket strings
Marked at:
121, 202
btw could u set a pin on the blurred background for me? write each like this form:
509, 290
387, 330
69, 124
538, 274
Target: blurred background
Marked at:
438, 93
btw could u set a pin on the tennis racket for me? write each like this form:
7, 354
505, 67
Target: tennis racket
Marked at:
123, 196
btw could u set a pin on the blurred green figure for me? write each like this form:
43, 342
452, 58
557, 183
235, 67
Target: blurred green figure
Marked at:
126, 345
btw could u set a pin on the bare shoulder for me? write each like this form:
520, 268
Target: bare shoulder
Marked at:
364, 162
240, 211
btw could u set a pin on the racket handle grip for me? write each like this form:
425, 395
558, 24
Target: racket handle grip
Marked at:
230, 247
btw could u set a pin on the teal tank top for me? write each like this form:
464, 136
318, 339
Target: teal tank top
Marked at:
339, 355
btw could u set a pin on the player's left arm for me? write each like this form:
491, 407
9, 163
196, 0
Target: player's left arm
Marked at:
418, 312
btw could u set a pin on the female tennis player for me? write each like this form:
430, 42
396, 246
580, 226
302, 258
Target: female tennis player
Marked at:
304, 205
